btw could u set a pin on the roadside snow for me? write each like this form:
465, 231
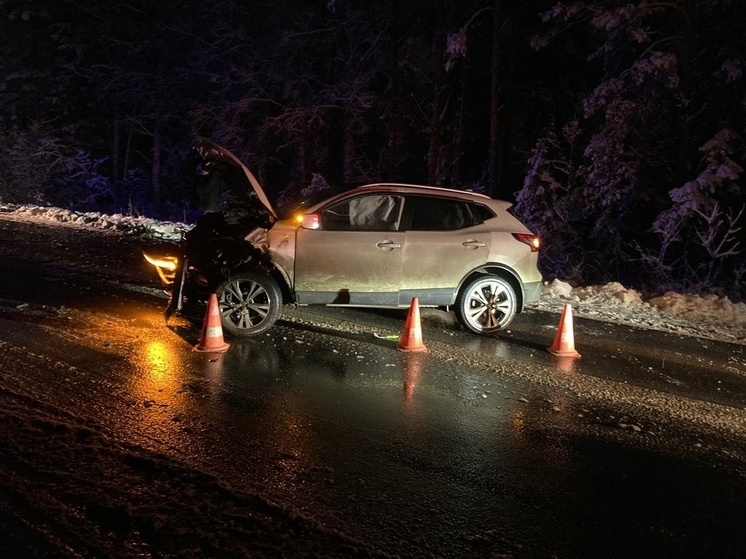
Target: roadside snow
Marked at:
144, 226
706, 316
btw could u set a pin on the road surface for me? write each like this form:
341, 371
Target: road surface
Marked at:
320, 439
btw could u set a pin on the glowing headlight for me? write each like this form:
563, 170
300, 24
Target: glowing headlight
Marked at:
166, 262
165, 266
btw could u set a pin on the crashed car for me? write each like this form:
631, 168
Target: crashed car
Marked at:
375, 246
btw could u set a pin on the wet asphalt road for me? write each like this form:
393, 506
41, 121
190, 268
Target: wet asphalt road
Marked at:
696, 368
483, 447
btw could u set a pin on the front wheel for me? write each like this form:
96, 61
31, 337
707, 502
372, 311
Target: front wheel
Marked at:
249, 302
486, 304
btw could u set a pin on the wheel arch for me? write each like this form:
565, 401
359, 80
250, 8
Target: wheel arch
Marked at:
283, 280
276, 273
496, 270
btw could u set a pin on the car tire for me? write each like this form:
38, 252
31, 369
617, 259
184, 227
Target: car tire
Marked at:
486, 304
250, 303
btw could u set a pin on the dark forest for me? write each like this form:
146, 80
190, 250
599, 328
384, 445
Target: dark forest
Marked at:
615, 127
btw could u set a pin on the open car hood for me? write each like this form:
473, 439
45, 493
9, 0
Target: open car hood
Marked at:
236, 175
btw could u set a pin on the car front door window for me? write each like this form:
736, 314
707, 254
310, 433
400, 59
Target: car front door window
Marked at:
364, 213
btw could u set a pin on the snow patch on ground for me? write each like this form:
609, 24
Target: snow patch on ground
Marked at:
705, 316
145, 226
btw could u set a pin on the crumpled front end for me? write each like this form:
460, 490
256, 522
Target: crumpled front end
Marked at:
214, 249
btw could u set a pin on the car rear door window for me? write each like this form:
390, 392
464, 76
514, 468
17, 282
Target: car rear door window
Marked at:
442, 214
439, 214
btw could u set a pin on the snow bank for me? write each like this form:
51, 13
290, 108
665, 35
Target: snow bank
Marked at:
705, 316
613, 293
132, 225
701, 308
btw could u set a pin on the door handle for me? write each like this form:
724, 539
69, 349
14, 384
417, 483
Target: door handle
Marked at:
388, 245
473, 244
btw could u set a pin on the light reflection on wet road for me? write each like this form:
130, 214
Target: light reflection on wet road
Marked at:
441, 459
692, 367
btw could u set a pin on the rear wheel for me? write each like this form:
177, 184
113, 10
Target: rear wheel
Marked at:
250, 303
486, 304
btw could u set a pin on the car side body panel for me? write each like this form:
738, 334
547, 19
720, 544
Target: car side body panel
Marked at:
361, 268
435, 262
348, 267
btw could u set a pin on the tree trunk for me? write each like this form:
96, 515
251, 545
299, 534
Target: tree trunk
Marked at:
127, 150
394, 111
495, 100
458, 139
156, 169
685, 147
349, 148
506, 99
115, 156
304, 159
336, 147
436, 124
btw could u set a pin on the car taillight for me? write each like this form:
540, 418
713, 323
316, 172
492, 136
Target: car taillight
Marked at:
530, 240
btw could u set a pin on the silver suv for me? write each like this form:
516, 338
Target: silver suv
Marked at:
378, 245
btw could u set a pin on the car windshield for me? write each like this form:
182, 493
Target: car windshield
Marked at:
287, 210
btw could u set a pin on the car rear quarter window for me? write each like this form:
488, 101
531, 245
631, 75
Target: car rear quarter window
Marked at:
481, 213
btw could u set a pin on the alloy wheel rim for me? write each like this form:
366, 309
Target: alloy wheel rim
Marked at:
245, 304
487, 305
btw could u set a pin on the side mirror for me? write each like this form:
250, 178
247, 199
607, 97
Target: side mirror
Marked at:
308, 221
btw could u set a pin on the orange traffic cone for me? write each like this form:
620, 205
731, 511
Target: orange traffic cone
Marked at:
211, 339
564, 340
411, 338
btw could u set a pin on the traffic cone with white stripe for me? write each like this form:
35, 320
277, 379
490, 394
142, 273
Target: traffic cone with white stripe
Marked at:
564, 340
411, 338
211, 339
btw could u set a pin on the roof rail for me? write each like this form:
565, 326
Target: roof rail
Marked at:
422, 186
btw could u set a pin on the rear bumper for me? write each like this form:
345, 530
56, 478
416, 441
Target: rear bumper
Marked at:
532, 291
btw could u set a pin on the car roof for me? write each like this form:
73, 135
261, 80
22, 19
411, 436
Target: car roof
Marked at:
420, 189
